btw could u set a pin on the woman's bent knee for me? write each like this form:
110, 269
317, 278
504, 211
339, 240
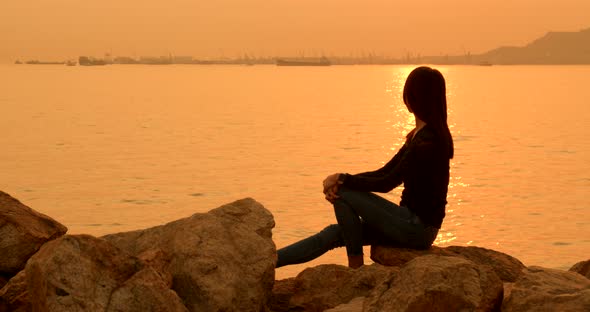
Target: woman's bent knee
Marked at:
349, 195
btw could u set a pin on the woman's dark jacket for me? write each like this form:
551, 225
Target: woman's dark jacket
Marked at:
422, 165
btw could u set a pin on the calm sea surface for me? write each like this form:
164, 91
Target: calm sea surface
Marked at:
117, 148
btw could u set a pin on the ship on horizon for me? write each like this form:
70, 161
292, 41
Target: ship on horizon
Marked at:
90, 61
37, 62
322, 61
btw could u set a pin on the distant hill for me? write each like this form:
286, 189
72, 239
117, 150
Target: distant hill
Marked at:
552, 48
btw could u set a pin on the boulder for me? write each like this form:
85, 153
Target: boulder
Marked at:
582, 267
355, 305
282, 291
541, 289
22, 232
326, 286
507, 290
84, 273
396, 256
145, 291
14, 296
438, 283
506, 267
222, 260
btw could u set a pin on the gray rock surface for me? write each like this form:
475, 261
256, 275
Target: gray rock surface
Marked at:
438, 283
222, 260
22, 232
541, 289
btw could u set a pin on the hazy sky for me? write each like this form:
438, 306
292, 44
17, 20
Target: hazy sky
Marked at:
59, 29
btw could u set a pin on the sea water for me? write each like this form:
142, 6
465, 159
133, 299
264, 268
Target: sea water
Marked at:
114, 148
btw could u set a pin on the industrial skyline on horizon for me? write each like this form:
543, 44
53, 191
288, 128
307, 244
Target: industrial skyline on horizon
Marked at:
552, 48
231, 28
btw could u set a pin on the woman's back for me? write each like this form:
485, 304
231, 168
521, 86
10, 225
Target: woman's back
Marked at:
427, 177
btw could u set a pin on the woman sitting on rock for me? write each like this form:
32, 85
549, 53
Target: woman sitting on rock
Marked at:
422, 165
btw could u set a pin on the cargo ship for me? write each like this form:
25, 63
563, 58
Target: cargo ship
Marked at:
323, 61
89, 61
36, 62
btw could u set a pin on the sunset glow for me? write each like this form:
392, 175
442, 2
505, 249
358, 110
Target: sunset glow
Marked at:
61, 29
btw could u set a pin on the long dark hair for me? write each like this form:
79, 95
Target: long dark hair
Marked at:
425, 95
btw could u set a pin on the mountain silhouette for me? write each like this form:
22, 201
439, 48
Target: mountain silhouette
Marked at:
552, 48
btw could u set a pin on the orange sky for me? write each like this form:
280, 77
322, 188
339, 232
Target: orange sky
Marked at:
60, 29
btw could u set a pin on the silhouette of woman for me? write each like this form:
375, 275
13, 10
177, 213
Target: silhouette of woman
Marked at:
422, 165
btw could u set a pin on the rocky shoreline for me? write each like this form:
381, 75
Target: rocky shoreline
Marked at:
224, 260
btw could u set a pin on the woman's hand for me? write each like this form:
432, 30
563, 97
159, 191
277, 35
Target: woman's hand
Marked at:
332, 194
330, 181
331, 187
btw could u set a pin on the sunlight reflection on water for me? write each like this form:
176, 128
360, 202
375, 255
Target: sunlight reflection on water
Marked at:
120, 148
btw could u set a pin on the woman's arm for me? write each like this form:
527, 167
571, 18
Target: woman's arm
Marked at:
418, 153
392, 163
387, 167
382, 180
333, 181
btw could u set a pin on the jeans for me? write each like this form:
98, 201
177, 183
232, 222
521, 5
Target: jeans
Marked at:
363, 218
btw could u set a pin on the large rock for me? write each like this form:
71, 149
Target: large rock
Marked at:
22, 232
355, 305
145, 291
282, 292
395, 256
540, 289
3, 281
84, 273
326, 286
222, 260
582, 267
14, 296
507, 290
438, 283
506, 267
